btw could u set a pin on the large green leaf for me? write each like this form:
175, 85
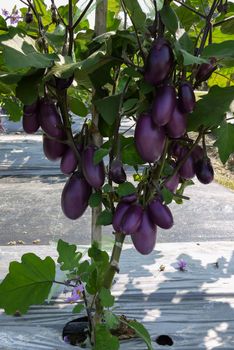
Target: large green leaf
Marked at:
27, 283
222, 77
141, 331
169, 18
13, 108
3, 24
107, 300
191, 59
40, 7
68, 256
228, 27
27, 89
108, 107
224, 51
104, 339
137, 15
20, 52
211, 108
77, 106
225, 141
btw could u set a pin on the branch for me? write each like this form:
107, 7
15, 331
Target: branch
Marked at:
190, 9
225, 20
82, 14
56, 9
70, 28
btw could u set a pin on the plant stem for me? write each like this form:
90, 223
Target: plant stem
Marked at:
225, 20
70, 28
114, 261
190, 9
82, 14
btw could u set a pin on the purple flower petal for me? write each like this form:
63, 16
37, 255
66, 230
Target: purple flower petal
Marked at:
181, 265
5, 13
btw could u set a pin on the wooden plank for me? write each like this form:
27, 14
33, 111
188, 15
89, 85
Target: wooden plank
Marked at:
195, 307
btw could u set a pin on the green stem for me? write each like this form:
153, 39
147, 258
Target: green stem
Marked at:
70, 28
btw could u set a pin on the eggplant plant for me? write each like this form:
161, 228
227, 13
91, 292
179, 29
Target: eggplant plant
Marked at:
149, 68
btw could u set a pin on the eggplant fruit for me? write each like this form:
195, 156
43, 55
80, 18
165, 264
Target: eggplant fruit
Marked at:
94, 173
149, 139
204, 171
160, 214
75, 196
118, 215
50, 120
53, 149
186, 97
144, 238
116, 172
30, 123
177, 124
132, 219
69, 162
163, 105
159, 62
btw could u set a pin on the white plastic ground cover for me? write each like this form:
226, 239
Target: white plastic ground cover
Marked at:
195, 307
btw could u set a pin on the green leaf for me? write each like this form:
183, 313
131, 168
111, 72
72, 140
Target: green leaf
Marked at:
159, 4
129, 152
95, 199
77, 106
169, 18
100, 154
3, 24
68, 256
78, 308
225, 141
167, 195
27, 89
13, 109
107, 188
27, 283
129, 104
108, 107
21, 53
211, 108
125, 189
228, 27
137, 15
104, 218
142, 332
111, 320
191, 59
224, 51
107, 300
104, 339
40, 7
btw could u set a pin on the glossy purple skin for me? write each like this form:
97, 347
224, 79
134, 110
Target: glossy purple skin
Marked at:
94, 174
53, 149
172, 183
176, 149
130, 198
116, 172
118, 215
159, 62
204, 171
197, 154
30, 123
69, 162
187, 170
132, 219
186, 97
144, 238
177, 124
163, 105
50, 120
160, 214
75, 196
205, 70
149, 139
30, 109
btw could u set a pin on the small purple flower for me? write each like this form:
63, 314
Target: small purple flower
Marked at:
76, 294
14, 19
5, 13
181, 265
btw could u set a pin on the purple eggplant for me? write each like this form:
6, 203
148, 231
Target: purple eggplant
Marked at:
159, 63
205, 70
204, 171
75, 196
94, 173
50, 120
30, 123
172, 183
160, 214
176, 149
149, 139
63, 83
28, 110
69, 162
187, 170
186, 97
118, 215
53, 149
116, 172
163, 105
144, 238
130, 198
28, 17
132, 219
177, 124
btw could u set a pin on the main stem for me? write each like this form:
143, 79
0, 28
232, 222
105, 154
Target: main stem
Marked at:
100, 27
